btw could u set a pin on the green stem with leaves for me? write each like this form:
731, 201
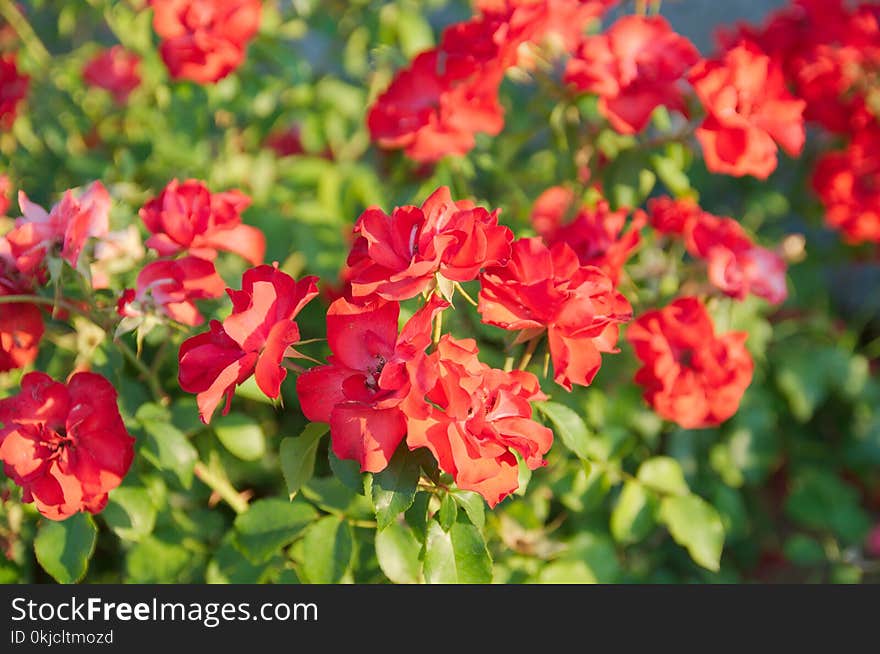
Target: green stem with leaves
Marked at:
26, 33
221, 486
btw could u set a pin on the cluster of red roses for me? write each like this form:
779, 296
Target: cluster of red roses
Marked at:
829, 52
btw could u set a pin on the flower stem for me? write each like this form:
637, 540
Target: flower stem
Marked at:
26, 33
148, 375
221, 486
531, 346
438, 327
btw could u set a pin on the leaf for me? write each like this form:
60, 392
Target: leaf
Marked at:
664, 475
168, 448
473, 506
64, 548
348, 472
270, 524
228, 566
394, 489
398, 550
130, 513
633, 516
696, 526
298, 456
569, 426
158, 561
327, 550
242, 436
448, 512
457, 556
566, 572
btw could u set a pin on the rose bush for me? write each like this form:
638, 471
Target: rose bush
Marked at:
513, 291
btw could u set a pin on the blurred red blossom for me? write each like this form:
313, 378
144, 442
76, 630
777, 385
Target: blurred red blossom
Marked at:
690, 375
64, 444
170, 287
254, 340
204, 40
749, 110
187, 217
375, 380
477, 417
66, 228
115, 70
634, 67
13, 88
548, 289
5, 191
21, 323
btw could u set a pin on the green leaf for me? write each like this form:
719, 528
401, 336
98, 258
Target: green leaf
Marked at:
664, 475
672, 176
242, 436
130, 513
327, 550
473, 506
270, 524
167, 448
696, 526
298, 456
566, 572
820, 500
569, 426
228, 566
347, 471
64, 548
394, 489
398, 550
158, 561
448, 512
457, 556
633, 516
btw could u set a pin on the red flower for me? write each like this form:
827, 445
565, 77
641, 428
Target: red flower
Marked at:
13, 88
204, 40
67, 226
436, 106
848, 183
634, 67
674, 217
375, 381
65, 445
188, 217
594, 234
397, 257
21, 323
5, 189
547, 288
170, 287
736, 265
253, 340
477, 418
690, 375
116, 70
748, 108
287, 142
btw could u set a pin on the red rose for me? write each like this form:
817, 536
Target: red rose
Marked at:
848, 183
253, 340
748, 110
5, 189
397, 257
634, 67
65, 445
13, 88
204, 40
21, 323
375, 381
547, 288
690, 375
674, 217
477, 417
116, 70
736, 265
594, 234
188, 217
67, 226
170, 287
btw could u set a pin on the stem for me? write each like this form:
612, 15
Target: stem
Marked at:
149, 377
221, 486
26, 33
438, 327
531, 346
464, 294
